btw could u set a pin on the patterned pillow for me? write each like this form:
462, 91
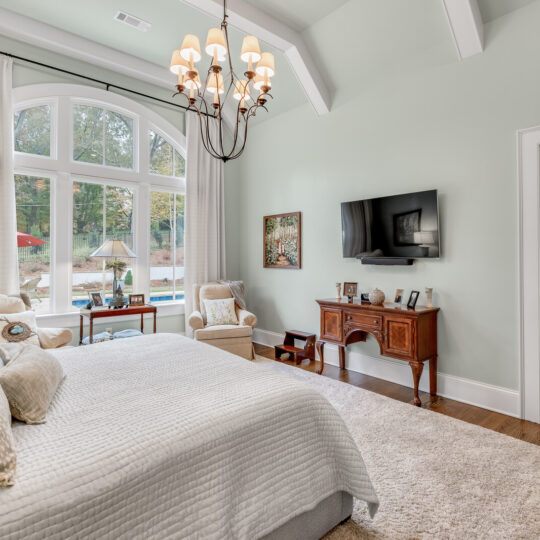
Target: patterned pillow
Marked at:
8, 459
17, 327
220, 312
29, 381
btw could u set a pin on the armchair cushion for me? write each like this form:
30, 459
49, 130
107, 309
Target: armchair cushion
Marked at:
246, 318
220, 312
225, 331
52, 338
212, 291
196, 321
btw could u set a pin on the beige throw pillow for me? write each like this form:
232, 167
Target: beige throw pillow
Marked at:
220, 312
8, 459
19, 327
30, 380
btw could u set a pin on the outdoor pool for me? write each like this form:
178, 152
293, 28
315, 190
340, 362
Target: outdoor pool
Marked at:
82, 303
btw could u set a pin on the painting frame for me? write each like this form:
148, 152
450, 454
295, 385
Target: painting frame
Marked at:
405, 225
267, 256
413, 298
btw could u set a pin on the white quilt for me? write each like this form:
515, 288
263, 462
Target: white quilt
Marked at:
164, 437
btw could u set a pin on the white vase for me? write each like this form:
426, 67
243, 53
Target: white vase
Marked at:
376, 297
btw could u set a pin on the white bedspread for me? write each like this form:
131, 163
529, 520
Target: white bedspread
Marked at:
163, 437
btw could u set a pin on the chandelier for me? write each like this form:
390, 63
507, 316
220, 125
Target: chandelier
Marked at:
208, 100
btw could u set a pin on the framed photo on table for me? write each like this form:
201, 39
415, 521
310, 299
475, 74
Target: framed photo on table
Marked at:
96, 299
136, 300
350, 289
413, 298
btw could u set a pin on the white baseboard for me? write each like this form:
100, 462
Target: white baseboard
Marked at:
487, 396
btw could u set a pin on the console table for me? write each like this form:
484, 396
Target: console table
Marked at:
98, 313
402, 333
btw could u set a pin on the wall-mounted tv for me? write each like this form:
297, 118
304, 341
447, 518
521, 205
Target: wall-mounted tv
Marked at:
400, 226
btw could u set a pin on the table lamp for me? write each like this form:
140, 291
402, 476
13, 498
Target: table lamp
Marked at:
115, 249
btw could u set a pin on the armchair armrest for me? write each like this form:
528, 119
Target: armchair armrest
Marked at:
246, 318
52, 338
196, 321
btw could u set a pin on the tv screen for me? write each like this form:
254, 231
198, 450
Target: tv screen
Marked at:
398, 226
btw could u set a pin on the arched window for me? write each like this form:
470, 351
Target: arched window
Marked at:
91, 165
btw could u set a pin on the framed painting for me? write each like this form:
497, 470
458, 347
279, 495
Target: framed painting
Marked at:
282, 241
405, 225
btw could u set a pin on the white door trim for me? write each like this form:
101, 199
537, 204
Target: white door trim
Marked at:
529, 271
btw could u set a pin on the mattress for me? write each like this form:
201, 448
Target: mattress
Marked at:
160, 436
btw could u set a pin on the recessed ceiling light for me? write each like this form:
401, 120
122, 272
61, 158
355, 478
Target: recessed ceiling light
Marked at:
133, 21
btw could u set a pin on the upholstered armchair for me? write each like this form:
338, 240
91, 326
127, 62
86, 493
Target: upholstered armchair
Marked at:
235, 338
49, 338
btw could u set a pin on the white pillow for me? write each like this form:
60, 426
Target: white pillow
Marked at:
18, 328
220, 312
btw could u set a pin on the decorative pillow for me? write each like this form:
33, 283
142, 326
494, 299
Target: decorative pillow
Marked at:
220, 312
29, 381
8, 459
17, 327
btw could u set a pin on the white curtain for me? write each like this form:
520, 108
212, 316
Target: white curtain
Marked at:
9, 274
204, 219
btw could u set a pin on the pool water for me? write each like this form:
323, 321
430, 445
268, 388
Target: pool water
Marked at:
180, 296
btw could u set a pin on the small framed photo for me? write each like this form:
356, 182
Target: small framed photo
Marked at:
136, 299
364, 297
96, 299
399, 296
413, 298
350, 290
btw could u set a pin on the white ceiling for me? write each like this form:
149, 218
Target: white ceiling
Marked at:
493, 9
298, 14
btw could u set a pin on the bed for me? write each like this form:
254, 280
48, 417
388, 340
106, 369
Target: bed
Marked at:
160, 436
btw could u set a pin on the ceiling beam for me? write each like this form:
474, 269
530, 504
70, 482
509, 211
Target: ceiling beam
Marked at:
250, 20
466, 25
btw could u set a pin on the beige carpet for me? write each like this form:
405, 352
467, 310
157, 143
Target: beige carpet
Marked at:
436, 477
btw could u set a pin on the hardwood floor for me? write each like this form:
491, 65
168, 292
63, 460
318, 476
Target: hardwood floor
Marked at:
514, 427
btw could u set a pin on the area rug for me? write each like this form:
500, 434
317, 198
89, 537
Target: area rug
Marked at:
436, 477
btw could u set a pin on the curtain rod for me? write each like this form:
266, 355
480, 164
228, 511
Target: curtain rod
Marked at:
98, 81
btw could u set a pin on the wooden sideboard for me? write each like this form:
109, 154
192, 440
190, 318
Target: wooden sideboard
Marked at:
402, 333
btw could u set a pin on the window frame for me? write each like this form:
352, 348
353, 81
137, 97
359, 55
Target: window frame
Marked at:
40, 102
63, 171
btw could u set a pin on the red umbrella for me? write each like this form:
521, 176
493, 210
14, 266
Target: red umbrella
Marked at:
24, 240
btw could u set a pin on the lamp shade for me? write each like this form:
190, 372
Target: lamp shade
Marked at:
114, 248
258, 82
215, 44
241, 90
215, 82
250, 49
193, 83
191, 48
424, 237
266, 65
178, 64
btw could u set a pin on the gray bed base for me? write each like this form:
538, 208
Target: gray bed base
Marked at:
314, 524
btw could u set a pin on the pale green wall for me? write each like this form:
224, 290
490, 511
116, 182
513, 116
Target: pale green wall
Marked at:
431, 122
24, 74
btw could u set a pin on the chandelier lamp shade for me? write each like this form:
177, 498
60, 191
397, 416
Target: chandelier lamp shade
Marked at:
222, 88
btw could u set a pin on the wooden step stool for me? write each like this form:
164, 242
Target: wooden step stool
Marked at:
295, 353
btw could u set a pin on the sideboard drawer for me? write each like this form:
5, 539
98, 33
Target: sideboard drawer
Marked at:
363, 320
331, 327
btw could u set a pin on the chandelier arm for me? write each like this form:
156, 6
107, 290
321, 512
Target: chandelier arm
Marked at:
235, 134
205, 141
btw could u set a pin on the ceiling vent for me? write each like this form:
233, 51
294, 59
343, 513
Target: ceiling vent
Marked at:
133, 21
